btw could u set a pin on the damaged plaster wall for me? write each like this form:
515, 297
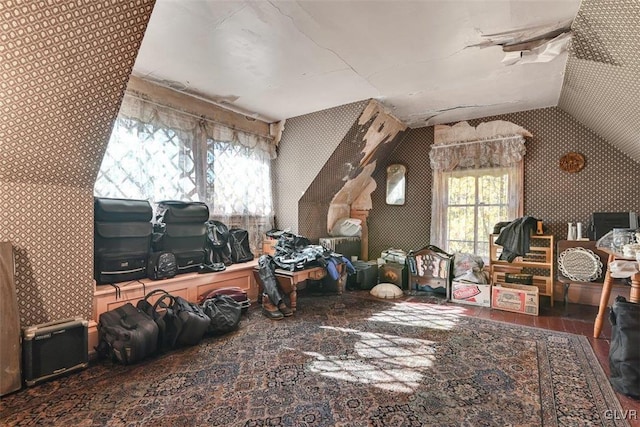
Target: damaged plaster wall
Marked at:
307, 143
345, 179
382, 128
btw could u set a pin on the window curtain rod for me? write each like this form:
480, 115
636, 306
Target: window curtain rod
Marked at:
477, 141
206, 119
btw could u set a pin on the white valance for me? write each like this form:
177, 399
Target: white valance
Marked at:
481, 154
188, 125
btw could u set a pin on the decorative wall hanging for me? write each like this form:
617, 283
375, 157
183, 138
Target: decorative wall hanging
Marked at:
572, 162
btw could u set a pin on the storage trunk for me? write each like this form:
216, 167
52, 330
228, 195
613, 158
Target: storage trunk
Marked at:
53, 349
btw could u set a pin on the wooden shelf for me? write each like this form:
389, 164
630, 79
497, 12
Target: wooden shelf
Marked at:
539, 260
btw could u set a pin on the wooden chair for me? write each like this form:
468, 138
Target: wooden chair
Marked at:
429, 269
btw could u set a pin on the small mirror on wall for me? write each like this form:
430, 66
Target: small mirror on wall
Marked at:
396, 184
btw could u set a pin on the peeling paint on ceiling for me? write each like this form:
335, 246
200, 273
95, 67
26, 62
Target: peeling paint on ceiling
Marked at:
280, 59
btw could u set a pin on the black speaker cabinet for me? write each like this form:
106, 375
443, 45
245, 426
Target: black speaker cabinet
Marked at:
53, 349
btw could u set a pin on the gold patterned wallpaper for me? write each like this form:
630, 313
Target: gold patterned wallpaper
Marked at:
64, 65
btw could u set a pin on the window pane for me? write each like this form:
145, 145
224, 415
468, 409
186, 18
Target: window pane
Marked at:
241, 180
488, 216
462, 190
493, 189
144, 162
460, 226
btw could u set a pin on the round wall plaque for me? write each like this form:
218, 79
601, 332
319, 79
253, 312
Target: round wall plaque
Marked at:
572, 162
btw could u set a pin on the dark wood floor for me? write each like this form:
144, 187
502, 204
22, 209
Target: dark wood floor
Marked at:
576, 319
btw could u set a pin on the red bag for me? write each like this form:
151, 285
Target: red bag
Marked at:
234, 292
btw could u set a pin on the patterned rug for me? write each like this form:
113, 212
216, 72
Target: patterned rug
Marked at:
341, 361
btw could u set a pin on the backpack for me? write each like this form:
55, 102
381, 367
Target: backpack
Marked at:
162, 265
239, 243
217, 248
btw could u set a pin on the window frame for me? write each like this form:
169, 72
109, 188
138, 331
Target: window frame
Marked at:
439, 219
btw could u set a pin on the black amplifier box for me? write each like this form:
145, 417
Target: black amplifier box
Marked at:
53, 349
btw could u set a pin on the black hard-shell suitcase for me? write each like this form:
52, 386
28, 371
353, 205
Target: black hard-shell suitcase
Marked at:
127, 334
174, 211
121, 210
120, 267
189, 261
119, 237
179, 237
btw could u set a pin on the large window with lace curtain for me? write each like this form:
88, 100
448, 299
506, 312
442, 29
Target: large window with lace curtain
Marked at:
476, 200
475, 185
157, 153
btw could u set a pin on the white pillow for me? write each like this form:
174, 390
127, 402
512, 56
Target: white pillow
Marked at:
386, 291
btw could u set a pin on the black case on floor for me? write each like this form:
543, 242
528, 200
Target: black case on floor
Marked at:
127, 334
121, 210
175, 212
53, 349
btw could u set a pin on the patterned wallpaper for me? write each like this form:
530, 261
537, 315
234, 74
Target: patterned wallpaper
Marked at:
602, 77
606, 184
64, 66
307, 143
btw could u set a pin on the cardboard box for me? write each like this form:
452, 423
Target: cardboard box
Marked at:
517, 298
471, 293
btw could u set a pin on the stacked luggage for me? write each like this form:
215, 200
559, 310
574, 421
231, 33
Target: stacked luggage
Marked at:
180, 228
122, 238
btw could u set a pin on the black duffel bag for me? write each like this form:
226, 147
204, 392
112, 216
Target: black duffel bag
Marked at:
162, 312
126, 334
194, 322
180, 322
624, 351
224, 313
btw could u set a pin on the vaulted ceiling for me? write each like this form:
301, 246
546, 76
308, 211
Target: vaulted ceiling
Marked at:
428, 62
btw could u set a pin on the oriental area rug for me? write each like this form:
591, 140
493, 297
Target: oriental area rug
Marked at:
341, 361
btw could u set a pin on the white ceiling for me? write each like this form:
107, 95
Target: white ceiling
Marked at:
280, 59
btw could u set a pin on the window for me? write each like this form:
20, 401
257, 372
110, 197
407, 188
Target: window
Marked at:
148, 163
476, 201
475, 185
156, 153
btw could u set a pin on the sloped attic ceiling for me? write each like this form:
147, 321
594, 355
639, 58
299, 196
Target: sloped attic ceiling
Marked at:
602, 82
428, 62
423, 60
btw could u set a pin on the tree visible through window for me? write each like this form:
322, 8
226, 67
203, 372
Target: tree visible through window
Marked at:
476, 201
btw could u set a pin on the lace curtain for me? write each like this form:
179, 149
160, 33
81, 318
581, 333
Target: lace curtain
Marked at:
496, 155
159, 153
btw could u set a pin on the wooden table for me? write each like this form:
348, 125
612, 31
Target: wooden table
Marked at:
634, 295
289, 281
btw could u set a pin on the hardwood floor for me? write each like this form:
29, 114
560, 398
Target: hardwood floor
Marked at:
576, 319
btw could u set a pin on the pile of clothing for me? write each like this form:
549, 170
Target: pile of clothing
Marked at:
294, 252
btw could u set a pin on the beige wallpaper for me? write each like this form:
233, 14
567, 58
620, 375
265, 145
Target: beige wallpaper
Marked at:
63, 69
605, 184
602, 78
307, 143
